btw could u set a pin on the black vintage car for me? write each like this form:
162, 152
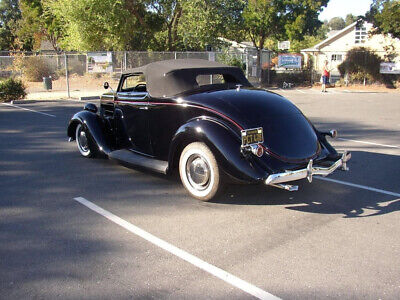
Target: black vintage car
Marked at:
207, 121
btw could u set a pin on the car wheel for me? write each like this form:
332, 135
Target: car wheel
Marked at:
199, 171
83, 141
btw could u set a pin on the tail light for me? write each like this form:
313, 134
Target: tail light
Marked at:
257, 150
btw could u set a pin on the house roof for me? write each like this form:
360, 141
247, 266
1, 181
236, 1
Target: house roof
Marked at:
331, 38
236, 44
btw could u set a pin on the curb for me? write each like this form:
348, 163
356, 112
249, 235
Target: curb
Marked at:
23, 101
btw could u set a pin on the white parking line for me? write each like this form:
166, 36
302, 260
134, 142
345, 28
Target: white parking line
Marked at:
217, 272
369, 143
364, 187
300, 91
31, 110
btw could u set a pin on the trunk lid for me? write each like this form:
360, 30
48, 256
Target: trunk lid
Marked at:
287, 132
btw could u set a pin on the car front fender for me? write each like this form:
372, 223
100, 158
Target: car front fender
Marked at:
223, 142
93, 124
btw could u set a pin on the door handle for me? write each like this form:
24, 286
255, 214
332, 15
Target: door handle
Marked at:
144, 107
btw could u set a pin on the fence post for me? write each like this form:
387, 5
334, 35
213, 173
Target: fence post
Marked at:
66, 74
247, 62
125, 60
269, 67
87, 64
311, 66
365, 64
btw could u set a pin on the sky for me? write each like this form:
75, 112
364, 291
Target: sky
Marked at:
340, 8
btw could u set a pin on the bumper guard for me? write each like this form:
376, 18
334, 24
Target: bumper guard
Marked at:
277, 179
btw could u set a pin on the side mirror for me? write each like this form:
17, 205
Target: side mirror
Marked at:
106, 85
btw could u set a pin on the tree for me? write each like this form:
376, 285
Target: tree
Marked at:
9, 16
95, 25
308, 42
385, 16
350, 19
169, 13
266, 19
193, 24
337, 23
203, 22
38, 23
322, 32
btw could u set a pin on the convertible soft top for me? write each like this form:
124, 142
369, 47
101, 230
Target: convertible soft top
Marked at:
168, 78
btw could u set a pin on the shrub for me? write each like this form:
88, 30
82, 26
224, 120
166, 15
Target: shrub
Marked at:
60, 72
33, 68
361, 63
231, 59
301, 77
11, 89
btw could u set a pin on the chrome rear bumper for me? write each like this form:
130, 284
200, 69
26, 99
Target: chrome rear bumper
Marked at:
278, 178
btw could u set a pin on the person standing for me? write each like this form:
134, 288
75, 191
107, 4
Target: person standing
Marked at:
325, 76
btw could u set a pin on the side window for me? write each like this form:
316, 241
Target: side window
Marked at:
134, 83
337, 57
206, 79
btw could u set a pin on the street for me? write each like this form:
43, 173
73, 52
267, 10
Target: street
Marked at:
338, 237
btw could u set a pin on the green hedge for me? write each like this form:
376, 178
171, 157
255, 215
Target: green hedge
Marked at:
302, 77
361, 63
11, 89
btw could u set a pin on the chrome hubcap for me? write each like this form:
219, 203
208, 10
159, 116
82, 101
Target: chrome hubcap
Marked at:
198, 172
82, 140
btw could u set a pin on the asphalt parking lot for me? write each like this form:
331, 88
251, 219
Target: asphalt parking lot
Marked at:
73, 228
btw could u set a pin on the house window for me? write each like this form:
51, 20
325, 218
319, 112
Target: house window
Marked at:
336, 57
360, 34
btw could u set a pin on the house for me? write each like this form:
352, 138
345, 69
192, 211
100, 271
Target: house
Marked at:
242, 47
334, 48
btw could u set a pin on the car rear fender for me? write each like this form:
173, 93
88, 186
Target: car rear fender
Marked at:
223, 142
93, 124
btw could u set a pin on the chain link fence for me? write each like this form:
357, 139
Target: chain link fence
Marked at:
83, 74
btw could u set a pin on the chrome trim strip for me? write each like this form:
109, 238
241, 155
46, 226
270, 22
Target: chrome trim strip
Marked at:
133, 97
308, 172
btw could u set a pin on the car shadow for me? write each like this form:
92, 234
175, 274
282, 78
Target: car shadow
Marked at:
325, 197
357, 131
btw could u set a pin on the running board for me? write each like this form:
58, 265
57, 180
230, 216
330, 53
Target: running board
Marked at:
129, 158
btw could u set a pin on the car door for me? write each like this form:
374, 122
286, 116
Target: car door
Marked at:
131, 114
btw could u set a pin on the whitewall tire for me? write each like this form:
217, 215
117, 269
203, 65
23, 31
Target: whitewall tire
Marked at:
199, 171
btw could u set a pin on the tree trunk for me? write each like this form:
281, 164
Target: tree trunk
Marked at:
169, 38
134, 9
172, 28
175, 23
259, 51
